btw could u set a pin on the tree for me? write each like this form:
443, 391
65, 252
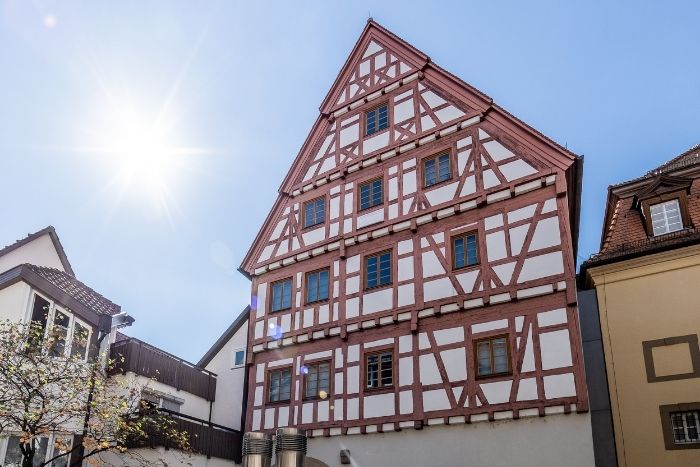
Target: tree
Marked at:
71, 400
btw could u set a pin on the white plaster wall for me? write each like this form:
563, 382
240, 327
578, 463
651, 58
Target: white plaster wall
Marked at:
192, 405
39, 252
229, 381
162, 457
14, 301
556, 440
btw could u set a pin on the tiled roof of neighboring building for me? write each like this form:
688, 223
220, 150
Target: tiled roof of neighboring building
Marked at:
624, 234
77, 290
51, 231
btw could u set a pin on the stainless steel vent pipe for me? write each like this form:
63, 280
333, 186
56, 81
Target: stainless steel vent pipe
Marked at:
290, 447
257, 449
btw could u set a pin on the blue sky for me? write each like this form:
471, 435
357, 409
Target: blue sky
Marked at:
233, 89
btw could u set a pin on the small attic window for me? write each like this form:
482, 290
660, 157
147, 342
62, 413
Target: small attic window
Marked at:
666, 217
376, 119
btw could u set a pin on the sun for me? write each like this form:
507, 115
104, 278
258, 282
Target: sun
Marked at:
142, 154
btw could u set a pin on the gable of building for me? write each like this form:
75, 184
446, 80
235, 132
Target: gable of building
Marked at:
429, 111
42, 248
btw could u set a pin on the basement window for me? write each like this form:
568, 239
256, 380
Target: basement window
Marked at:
686, 427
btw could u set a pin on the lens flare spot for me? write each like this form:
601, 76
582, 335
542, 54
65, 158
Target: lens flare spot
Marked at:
322, 394
304, 370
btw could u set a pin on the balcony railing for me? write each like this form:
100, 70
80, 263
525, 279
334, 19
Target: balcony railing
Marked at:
151, 362
205, 438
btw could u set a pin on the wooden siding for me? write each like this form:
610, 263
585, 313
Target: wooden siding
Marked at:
151, 362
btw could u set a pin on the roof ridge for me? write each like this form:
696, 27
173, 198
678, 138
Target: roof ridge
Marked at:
682, 160
51, 231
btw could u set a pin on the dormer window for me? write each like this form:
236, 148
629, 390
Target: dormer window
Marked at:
666, 217
376, 119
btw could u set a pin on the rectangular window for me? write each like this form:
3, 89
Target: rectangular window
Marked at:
40, 316
314, 212
317, 381
492, 356
380, 370
666, 217
464, 251
238, 358
376, 119
686, 427
371, 194
280, 384
59, 333
282, 295
436, 169
80, 340
378, 270
161, 401
317, 286
13, 454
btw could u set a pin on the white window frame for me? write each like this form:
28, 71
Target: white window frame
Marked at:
161, 396
684, 416
233, 358
50, 448
664, 212
53, 306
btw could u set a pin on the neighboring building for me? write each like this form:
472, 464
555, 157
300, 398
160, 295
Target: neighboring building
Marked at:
416, 276
645, 279
227, 358
192, 395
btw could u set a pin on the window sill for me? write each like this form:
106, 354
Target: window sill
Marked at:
436, 184
316, 302
378, 287
278, 403
359, 209
314, 226
466, 268
506, 375
380, 390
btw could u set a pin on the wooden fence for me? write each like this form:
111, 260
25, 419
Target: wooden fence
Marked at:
151, 362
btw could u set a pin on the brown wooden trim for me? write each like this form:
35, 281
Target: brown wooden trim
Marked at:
475, 344
667, 427
693, 348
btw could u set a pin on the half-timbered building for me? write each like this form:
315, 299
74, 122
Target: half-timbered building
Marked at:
415, 279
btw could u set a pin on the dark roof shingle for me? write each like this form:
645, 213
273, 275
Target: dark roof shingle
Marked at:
77, 290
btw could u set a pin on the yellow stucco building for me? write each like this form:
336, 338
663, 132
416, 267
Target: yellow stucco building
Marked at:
646, 280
